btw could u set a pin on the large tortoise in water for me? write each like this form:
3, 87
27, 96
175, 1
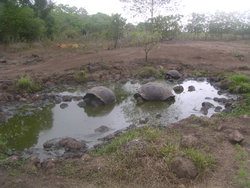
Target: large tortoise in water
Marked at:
153, 92
99, 96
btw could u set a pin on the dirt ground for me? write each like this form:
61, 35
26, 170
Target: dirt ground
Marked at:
185, 56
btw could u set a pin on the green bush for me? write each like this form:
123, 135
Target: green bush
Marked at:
82, 76
27, 84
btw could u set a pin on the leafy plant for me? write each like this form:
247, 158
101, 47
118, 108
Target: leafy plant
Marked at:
146, 72
239, 83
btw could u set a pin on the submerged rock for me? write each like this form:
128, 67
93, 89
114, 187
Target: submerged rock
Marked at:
102, 129
63, 105
191, 88
178, 89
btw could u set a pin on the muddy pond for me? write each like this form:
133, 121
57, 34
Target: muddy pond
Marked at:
53, 121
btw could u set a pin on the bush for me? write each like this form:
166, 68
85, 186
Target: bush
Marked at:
146, 72
82, 76
26, 83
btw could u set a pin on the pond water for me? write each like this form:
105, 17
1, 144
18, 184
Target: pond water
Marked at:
51, 121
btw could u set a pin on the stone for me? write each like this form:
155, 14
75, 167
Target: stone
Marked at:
102, 129
184, 168
71, 144
221, 100
67, 98
218, 109
63, 105
236, 137
49, 163
158, 116
188, 141
85, 157
82, 104
143, 120
178, 89
191, 88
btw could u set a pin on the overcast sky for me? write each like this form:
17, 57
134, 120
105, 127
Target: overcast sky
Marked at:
187, 6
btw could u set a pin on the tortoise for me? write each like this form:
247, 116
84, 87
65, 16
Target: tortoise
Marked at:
99, 96
173, 74
153, 91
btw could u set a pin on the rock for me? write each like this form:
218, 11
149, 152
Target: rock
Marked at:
102, 129
188, 141
71, 144
3, 60
158, 116
49, 163
191, 88
201, 79
225, 84
14, 158
82, 104
218, 109
144, 120
178, 89
77, 98
204, 110
63, 105
107, 138
67, 98
85, 157
184, 168
221, 100
236, 137
207, 105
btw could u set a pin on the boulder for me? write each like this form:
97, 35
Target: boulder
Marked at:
102, 129
191, 88
236, 137
184, 168
178, 89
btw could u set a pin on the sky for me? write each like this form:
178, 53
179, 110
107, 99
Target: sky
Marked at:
186, 8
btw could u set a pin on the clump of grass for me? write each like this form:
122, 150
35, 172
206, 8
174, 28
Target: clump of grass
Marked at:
146, 133
146, 72
242, 177
27, 84
239, 83
82, 76
202, 161
201, 73
3, 148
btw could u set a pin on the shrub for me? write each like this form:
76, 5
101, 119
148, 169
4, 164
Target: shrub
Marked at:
146, 72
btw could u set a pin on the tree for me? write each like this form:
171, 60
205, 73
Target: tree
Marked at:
149, 8
117, 28
148, 41
197, 24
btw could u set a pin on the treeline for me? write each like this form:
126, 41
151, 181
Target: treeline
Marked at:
32, 20
220, 25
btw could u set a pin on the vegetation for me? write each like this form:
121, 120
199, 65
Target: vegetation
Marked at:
82, 76
239, 83
243, 173
27, 84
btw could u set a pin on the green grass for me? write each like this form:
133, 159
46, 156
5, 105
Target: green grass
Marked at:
27, 84
239, 83
242, 177
82, 76
146, 133
146, 72
201, 73
202, 161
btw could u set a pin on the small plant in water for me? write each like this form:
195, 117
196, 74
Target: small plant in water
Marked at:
27, 84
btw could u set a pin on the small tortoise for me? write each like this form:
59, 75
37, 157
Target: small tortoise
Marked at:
173, 74
153, 92
99, 96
